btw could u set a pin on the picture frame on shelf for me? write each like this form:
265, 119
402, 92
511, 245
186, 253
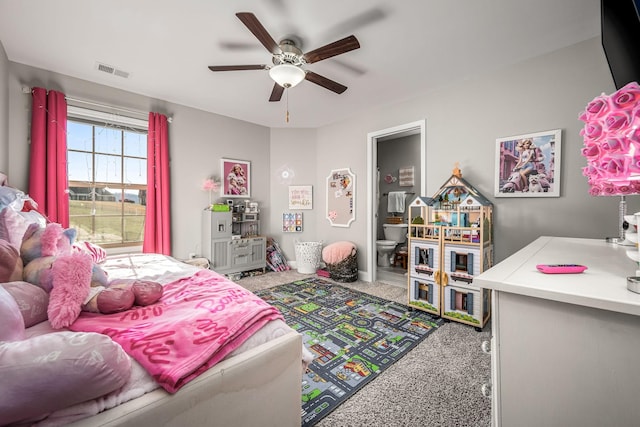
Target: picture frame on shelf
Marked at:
236, 178
528, 165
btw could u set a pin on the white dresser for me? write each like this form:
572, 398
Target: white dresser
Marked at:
566, 347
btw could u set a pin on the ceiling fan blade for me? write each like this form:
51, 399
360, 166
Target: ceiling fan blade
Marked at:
332, 49
325, 82
252, 23
276, 93
237, 67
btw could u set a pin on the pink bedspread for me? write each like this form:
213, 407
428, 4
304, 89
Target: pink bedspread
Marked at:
196, 323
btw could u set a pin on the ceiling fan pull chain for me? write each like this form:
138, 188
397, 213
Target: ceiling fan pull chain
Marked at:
287, 116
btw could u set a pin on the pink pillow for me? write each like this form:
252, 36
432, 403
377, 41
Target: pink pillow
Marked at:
53, 371
12, 227
336, 252
31, 299
10, 263
10, 318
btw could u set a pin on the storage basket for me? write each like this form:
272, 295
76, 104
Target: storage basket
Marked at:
345, 270
308, 256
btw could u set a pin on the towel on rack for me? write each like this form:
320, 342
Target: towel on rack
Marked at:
396, 202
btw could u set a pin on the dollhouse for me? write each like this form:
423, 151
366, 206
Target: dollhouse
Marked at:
450, 242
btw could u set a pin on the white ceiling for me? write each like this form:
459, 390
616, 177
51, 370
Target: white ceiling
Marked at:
408, 47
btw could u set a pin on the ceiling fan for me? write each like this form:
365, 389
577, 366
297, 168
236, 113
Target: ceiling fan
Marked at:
288, 59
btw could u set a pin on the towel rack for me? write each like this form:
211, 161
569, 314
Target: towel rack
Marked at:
406, 194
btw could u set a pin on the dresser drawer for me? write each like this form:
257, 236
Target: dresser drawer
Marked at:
239, 247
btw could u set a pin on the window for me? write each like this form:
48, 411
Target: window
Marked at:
107, 170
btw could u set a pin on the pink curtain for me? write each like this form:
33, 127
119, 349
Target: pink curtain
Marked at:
48, 157
157, 228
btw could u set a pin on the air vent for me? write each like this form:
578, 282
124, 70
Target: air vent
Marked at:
112, 70
105, 68
121, 73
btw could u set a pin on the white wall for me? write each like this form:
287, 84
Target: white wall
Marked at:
463, 122
197, 142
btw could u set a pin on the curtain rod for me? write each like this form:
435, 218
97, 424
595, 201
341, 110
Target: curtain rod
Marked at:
97, 104
124, 110
26, 89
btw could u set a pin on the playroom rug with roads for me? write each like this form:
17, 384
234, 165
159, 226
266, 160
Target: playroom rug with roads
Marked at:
354, 336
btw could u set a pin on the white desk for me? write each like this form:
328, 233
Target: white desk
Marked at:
566, 347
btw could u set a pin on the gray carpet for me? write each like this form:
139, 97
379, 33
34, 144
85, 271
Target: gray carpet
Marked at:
436, 384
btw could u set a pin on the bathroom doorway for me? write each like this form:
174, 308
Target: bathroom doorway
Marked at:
373, 200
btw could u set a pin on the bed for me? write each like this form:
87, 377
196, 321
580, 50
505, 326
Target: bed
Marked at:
258, 383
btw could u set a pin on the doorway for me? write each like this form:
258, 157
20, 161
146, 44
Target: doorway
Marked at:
413, 128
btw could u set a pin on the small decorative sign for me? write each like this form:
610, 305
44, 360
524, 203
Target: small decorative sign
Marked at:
301, 197
406, 176
292, 222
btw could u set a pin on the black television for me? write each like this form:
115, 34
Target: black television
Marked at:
620, 20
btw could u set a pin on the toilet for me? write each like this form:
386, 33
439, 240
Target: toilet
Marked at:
394, 234
385, 250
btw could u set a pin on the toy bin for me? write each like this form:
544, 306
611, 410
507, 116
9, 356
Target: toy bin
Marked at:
345, 270
308, 256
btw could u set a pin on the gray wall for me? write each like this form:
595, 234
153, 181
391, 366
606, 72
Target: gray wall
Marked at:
4, 110
197, 142
394, 154
294, 150
463, 122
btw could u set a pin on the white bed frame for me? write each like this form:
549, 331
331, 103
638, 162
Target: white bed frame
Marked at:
259, 387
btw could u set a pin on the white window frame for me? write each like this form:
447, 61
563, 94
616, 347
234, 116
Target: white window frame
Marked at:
95, 116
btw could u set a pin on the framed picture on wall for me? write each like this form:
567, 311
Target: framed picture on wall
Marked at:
300, 197
341, 188
528, 165
236, 178
405, 175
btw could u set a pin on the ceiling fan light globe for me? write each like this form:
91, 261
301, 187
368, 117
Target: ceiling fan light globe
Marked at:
287, 75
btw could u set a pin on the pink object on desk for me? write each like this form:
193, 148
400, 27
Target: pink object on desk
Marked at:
561, 268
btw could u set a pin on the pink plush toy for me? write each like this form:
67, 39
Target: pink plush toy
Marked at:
72, 279
71, 276
51, 240
122, 294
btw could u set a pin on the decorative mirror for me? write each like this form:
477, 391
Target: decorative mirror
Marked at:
341, 201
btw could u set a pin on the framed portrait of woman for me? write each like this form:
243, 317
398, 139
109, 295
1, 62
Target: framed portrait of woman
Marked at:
236, 178
528, 165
